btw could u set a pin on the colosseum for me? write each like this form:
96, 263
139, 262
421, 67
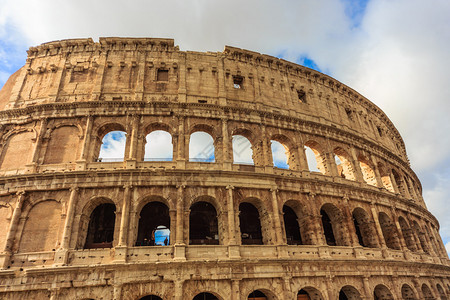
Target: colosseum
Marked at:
342, 218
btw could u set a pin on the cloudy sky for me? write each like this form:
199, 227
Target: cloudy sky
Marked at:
395, 52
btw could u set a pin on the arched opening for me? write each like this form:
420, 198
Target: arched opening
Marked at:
101, 227
291, 226
408, 293
364, 228
250, 224
367, 171
201, 147
151, 297
257, 295
315, 159
158, 146
382, 293
333, 225
242, 150
427, 295
407, 234
441, 292
205, 296
309, 293
343, 164
432, 241
113, 146
385, 178
348, 292
389, 231
63, 146
203, 225
280, 154
398, 182
327, 229
154, 225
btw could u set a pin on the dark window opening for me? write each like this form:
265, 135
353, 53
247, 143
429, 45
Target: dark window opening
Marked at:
154, 225
250, 225
380, 132
257, 295
237, 82
202, 101
327, 229
203, 226
101, 227
162, 75
301, 96
303, 295
151, 297
205, 296
342, 295
358, 233
348, 111
292, 227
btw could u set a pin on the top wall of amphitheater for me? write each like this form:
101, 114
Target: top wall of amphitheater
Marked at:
63, 73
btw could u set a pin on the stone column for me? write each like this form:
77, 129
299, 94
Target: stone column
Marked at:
173, 225
120, 255
181, 152
131, 161
36, 159
354, 241
178, 289
368, 293
125, 216
356, 167
303, 161
231, 217
376, 171
69, 218
235, 293
227, 148
276, 215
399, 230
81, 163
5, 257
180, 250
380, 235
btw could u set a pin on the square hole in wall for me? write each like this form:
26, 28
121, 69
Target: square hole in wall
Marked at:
162, 75
238, 81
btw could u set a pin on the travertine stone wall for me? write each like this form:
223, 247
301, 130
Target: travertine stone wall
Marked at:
364, 228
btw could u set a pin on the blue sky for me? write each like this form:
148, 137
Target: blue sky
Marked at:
394, 52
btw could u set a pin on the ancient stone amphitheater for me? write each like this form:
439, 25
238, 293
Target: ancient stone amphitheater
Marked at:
350, 223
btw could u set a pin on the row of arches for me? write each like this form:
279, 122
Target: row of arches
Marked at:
347, 292
68, 143
205, 221
330, 227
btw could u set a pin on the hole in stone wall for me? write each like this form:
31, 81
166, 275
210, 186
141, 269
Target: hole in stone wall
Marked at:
301, 96
238, 81
101, 227
205, 296
162, 75
250, 224
292, 227
327, 229
203, 225
154, 225
158, 146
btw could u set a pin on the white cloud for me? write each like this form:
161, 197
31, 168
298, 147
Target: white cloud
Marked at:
201, 147
447, 247
113, 146
158, 146
279, 155
397, 55
242, 150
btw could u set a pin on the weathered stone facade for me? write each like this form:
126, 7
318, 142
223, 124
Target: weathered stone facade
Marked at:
357, 230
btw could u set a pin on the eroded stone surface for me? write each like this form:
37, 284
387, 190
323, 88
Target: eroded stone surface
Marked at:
75, 227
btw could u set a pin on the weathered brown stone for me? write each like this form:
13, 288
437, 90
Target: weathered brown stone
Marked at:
73, 227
